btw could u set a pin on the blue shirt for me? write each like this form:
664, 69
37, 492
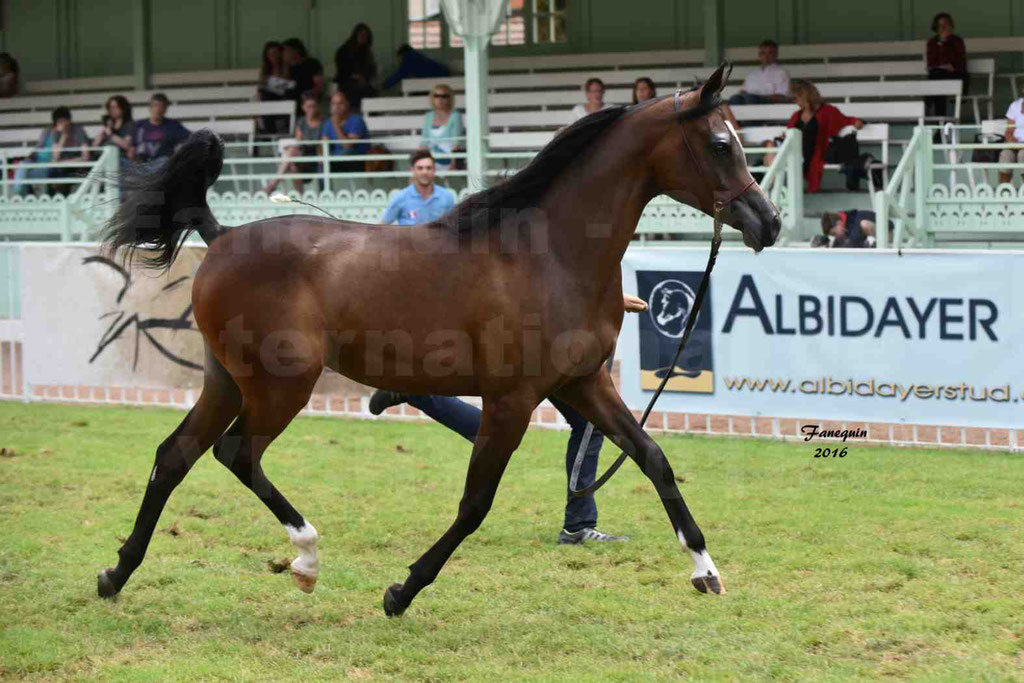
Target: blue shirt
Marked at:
416, 65
153, 141
409, 208
353, 125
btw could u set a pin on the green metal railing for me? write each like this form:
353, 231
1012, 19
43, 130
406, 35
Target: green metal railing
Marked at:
239, 195
10, 283
784, 183
939, 193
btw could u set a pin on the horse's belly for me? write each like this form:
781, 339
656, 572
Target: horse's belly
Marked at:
442, 362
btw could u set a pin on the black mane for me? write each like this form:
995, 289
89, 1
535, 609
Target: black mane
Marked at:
525, 188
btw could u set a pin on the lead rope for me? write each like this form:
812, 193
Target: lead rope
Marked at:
716, 242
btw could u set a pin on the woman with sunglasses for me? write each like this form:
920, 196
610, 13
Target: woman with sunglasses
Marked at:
442, 126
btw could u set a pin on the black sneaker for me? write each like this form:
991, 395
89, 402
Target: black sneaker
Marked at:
383, 399
588, 534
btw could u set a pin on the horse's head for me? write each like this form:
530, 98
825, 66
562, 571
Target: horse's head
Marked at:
699, 161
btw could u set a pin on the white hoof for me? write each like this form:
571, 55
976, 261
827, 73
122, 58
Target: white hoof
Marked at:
306, 567
305, 582
705, 576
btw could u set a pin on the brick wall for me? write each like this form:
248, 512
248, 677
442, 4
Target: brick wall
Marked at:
347, 405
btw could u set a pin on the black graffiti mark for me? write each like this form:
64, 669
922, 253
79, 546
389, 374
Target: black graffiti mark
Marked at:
173, 285
116, 267
142, 326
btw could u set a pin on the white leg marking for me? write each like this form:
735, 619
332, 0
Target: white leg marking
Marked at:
703, 565
304, 539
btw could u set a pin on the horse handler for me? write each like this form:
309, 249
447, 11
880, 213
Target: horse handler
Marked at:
580, 522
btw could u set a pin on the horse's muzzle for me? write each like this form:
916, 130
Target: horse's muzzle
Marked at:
753, 214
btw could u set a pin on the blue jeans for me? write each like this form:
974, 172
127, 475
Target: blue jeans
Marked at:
748, 98
22, 173
464, 419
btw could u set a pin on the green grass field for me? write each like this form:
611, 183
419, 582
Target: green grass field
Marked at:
888, 563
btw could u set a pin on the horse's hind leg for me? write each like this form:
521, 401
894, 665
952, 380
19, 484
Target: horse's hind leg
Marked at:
501, 429
268, 407
597, 400
217, 406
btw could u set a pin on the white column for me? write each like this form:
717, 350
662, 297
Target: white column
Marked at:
477, 129
141, 41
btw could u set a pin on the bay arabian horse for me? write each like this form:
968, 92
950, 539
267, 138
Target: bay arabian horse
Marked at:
513, 296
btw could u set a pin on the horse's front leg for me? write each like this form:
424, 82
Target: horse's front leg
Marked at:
502, 425
597, 400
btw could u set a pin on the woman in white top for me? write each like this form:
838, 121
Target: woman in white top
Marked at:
1015, 133
274, 85
595, 99
442, 126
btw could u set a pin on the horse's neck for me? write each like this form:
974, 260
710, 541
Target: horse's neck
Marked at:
596, 206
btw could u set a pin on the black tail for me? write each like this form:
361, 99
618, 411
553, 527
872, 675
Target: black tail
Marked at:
163, 203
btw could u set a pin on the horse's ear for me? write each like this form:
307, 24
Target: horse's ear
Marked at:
716, 82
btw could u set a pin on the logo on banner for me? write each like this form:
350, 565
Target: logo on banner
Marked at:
671, 297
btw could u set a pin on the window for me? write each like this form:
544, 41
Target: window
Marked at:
549, 21
512, 31
424, 23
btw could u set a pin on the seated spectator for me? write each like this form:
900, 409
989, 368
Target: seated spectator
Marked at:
414, 64
274, 84
118, 127
344, 124
8, 75
307, 72
442, 125
158, 136
947, 59
594, 88
355, 67
847, 229
422, 201
308, 127
818, 122
643, 90
63, 141
1015, 132
769, 83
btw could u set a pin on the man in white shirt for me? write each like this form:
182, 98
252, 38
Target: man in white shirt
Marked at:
1014, 133
768, 84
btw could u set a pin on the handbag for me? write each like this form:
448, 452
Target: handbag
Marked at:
378, 165
842, 149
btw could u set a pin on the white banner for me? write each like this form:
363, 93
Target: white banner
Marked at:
929, 337
88, 321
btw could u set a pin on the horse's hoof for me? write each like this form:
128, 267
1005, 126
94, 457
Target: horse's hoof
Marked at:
392, 606
105, 586
305, 582
708, 584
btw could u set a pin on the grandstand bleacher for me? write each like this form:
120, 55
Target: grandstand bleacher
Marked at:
529, 98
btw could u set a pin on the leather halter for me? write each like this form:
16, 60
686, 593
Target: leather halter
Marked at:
720, 198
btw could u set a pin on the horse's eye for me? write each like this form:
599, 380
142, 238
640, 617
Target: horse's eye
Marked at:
721, 148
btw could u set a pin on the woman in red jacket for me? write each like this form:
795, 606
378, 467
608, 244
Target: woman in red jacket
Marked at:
818, 122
